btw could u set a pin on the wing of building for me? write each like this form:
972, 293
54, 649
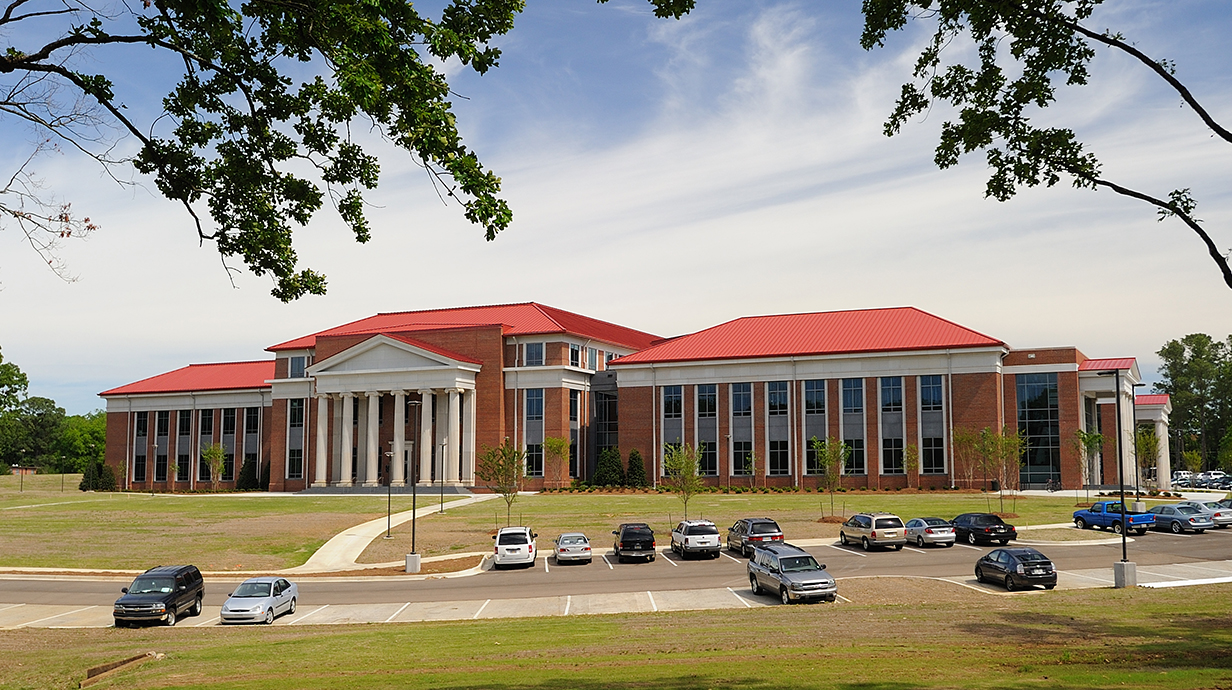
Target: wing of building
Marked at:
415, 397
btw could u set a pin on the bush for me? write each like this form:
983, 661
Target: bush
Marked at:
247, 480
608, 471
635, 474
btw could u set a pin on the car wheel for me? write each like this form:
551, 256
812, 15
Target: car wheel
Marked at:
864, 540
1116, 528
1010, 585
269, 616
292, 609
1049, 586
919, 541
1199, 531
842, 539
744, 551
971, 538
979, 575
171, 617
1080, 523
754, 585
784, 596
898, 547
121, 624
652, 558
1003, 542
196, 608
1176, 527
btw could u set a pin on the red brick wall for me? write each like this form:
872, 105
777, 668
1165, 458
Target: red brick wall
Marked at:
723, 400
486, 344
1051, 355
1070, 403
117, 437
276, 426
635, 431
872, 436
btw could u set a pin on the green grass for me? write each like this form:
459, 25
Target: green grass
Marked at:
1093, 639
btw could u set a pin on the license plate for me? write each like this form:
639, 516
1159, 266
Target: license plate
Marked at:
513, 550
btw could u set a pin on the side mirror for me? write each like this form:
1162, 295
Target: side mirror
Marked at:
823, 566
183, 588
534, 535
124, 589
230, 594
493, 536
615, 532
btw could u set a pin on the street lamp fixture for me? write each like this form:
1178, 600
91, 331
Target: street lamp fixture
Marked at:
1122, 571
389, 494
414, 475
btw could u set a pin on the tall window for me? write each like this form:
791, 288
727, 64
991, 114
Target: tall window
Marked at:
892, 456
295, 463
777, 391
163, 423
160, 467
181, 467
814, 397
673, 398
185, 423
892, 394
534, 355
252, 420
779, 464
607, 424
295, 413
574, 397
812, 464
592, 358
742, 458
853, 396
228, 467
534, 459
855, 461
207, 425
297, 367
139, 468
143, 424
228, 422
930, 393
707, 400
742, 399
932, 456
534, 404
1039, 421
708, 459
575, 355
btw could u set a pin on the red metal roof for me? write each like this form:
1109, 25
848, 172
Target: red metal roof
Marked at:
1152, 399
1122, 363
527, 318
220, 376
818, 333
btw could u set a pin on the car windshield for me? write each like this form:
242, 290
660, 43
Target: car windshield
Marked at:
795, 564
701, 529
1213, 505
888, 523
986, 520
253, 589
1030, 557
936, 522
569, 541
1188, 510
512, 538
636, 532
764, 528
152, 585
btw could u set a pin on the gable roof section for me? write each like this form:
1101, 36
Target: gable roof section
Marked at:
1153, 399
1108, 364
403, 338
817, 333
528, 318
220, 376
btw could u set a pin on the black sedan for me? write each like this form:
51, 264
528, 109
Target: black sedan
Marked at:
1016, 568
986, 528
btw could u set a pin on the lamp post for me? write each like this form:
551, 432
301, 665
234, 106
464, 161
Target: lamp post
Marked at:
1124, 573
389, 494
414, 474
440, 475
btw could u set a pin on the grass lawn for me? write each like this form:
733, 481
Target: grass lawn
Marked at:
1092, 639
469, 528
42, 527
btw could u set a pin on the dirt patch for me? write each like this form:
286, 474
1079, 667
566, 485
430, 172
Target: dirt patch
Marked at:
452, 565
831, 519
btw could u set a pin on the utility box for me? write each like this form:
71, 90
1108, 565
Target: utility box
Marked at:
412, 563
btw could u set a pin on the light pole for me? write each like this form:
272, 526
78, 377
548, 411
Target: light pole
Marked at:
389, 493
1124, 573
440, 475
414, 474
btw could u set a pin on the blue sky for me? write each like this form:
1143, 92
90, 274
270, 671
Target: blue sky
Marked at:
672, 175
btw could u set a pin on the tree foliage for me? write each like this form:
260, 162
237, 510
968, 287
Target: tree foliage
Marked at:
680, 474
635, 472
608, 471
504, 470
555, 458
831, 456
1196, 373
13, 385
214, 456
1146, 447
1024, 51
1000, 453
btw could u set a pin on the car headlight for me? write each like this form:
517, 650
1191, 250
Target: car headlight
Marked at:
160, 607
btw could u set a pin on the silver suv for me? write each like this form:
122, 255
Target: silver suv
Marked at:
696, 536
790, 572
873, 529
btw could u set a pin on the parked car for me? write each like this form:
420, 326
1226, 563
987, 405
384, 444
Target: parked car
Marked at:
160, 594
748, 533
260, 599
930, 530
1016, 568
1180, 518
1221, 516
987, 528
1108, 514
696, 537
873, 529
790, 572
634, 540
514, 546
572, 547
1226, 503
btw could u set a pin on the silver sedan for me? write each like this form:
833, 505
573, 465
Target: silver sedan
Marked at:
929, 530
1215, 510
260, 599
572, 546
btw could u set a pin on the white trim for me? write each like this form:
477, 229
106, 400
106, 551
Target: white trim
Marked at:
1038, 368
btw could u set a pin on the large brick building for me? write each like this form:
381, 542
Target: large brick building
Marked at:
417, 396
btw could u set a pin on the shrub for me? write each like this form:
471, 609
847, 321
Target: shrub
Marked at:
247, 481
635, 474
608, 471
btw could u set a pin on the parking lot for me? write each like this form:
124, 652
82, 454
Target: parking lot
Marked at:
670, 583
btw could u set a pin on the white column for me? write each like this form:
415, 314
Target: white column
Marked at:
468, 438
322, 440
425, 436
374, 445
361, 438
397, 463
348, 422
453, 457
1163, 462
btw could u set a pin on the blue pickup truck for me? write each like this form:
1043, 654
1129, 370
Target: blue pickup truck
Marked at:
1107, 514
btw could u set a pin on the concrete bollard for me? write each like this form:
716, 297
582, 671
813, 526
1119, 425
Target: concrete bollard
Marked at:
1124, 574
412, 563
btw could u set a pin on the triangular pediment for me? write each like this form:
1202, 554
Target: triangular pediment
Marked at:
382, 353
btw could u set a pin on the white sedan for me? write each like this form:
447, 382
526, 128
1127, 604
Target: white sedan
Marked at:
260, 599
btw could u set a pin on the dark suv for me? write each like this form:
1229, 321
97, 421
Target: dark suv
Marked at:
987, 528
749, 533
160, 595
634, 540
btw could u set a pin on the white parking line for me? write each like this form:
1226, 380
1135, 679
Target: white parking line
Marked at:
609, 563
545, 565
730, 557
481, 608
1085, 577
66, 613
397, 612
973, 548
670, 560
840, 596
11, 606
204, 623
1170, 534
908, 548
301, 618
747, 605
1198, 567
844, 549
1174, 577
653, 605
568, 601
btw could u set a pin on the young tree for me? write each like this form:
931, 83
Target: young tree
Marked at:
911, 463
1146, 449
1088, 444
608, 471
1024, 50
504, 469
1192, 460
680, 474
556, 461
173, 471
635, 474
831, 457
1000, 454
966, 454
215, 458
